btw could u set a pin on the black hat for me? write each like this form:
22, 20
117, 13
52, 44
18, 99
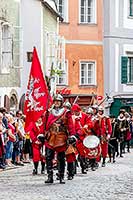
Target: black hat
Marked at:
122, 111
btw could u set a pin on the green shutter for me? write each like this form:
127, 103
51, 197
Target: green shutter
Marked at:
131, 8
124, 61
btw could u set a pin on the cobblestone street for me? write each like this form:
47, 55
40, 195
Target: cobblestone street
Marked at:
114, 182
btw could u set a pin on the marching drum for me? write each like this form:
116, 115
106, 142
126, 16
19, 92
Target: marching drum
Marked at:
92, 146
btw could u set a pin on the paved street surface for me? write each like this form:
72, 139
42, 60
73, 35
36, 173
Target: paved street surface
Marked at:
114, 182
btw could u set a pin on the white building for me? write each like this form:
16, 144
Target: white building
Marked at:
32, 23
40, 29
118, 54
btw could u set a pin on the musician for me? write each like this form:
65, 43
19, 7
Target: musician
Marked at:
128, 135
121, 129
92, 161
82, 117
95, 111
113, 142
96, 128
36, 129
59, 125
71, 150
103, 129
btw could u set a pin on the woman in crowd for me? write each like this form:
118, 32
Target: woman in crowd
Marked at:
2, 151
27, 144
11, 139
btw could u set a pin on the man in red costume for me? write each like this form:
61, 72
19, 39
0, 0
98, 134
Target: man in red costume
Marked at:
105, 131
36, 135
83, 122
59, 125
71, 150
92, 159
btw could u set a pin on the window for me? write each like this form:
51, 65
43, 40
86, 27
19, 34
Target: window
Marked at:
131, 8
17, 47
130, 70
54, 51
62, 6
62, 79
9, 47
87, 73
6, 48
29, 56
127, 69
87, 11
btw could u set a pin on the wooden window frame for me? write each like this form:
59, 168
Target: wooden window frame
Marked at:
87, 63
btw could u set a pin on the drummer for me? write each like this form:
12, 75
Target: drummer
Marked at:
92, 160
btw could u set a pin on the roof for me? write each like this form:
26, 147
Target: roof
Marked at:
50, 4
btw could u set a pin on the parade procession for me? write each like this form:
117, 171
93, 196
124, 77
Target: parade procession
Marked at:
66, 99
63, 138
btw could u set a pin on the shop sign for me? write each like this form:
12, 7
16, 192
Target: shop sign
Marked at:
63, 91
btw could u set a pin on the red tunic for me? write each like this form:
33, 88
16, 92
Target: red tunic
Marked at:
70, 127
85, 123
102, 127
77, 130
34, 132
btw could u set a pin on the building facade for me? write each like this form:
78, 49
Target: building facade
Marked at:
41, 32
82, 28
10, 53
23, 25
118, 54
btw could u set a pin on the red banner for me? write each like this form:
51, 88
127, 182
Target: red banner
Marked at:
37, 99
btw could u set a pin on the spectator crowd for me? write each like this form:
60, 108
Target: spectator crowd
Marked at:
15, 145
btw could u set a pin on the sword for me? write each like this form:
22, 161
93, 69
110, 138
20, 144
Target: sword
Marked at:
76, 99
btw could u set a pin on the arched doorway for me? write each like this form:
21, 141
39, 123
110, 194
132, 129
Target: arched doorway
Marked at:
7, 102
13, 103
21, 103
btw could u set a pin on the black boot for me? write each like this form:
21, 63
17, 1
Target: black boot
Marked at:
75, 164
96, 165
83, 165
114, 157
117, 154
70, 177
61, 166
83, 171
57, 176
35, 170
2, 166
103, 163
50, 178
92, 161
70, 169
61, 178
43, 168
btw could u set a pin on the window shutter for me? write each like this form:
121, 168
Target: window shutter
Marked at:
124, 62
0, 48
130, 7
17, 47
6, 48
